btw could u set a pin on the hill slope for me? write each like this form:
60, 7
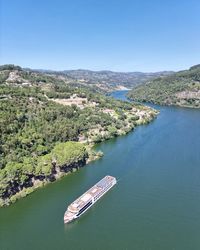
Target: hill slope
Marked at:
44, 123
181, 89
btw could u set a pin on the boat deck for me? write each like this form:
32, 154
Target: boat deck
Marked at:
91, 193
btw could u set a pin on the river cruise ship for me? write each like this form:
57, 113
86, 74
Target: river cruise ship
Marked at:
85, 201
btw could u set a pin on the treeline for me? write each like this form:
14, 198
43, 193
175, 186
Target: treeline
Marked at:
10, 67
21, 177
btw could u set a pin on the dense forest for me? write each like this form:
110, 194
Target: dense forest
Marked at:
46, 125
181, 89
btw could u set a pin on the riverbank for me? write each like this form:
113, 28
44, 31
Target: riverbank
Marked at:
19, 180
155, 204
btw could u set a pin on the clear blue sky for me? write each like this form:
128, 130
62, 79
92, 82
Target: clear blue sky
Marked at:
120, 35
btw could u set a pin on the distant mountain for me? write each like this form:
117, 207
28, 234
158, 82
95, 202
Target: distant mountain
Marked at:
181, 89
106, 80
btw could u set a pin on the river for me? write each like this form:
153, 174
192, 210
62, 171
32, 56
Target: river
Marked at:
154, 206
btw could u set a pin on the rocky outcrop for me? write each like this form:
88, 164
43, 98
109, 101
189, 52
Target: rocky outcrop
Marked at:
16, 190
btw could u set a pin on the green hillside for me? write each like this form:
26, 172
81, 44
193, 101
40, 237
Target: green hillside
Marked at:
181, 89
46, 126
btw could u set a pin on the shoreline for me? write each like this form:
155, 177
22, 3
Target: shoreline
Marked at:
145, 116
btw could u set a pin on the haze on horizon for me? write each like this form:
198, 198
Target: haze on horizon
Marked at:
120, 35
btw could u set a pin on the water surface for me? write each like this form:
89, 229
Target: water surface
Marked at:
154, 206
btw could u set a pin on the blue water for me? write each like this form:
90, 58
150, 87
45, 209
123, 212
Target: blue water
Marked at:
154, 206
